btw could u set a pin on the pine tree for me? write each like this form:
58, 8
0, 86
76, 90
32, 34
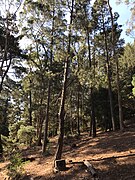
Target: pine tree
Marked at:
58, 153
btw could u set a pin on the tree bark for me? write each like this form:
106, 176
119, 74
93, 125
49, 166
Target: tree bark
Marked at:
108, 68
40, 121
49, 86
58, 153
1, 148
92, 121
117, 71
30, 105
93, 133
47, 118
39, 134
62, 113
78, 113
3, 73
71, 117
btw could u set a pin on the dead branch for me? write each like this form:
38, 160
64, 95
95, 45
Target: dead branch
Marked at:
90, 168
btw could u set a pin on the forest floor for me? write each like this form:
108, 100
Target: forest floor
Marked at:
112, 154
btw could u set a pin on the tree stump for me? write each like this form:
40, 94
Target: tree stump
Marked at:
60, 164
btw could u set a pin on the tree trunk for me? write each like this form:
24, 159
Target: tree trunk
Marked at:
92, 121
30, 105
93, 133
71, 117
78, 113
62, 113
3, 73
58, 153
4, 60
47, 119
39, 135
119, 98
49, 85
40, 121
1, 148
117, 71
108, 68
110, 98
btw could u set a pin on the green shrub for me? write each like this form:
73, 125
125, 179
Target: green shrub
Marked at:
15, 168
25, 134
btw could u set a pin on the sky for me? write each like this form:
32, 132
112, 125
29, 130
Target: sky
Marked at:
124, 12
122, 9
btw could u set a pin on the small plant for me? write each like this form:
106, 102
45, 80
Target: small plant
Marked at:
25, 134
15, 168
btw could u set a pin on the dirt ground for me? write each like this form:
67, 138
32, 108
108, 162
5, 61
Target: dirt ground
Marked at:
112, 154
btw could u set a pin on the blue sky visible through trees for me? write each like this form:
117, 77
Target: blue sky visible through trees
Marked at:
122, 9
125, 14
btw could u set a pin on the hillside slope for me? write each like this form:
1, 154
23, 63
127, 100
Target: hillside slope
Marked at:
112, 154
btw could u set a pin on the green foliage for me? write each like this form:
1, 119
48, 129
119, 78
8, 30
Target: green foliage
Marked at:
127, 59
15, 168
25, 134
127, 63
13, 130
10, 146
18, 134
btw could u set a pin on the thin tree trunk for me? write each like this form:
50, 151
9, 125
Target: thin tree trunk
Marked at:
40, 121
1, 148
78, 113
4, 60
92, 121
30, 105
47, 119
117, 71
39, 136
109, 79
49, 86
3, 73
93, 133
71, 117
119, 98
62, 113
81, 109
58, 153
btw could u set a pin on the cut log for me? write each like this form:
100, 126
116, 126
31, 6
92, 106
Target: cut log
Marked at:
90, 168
60, 164
76, 162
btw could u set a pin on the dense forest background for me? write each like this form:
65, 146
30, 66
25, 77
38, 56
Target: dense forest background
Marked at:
76, 74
